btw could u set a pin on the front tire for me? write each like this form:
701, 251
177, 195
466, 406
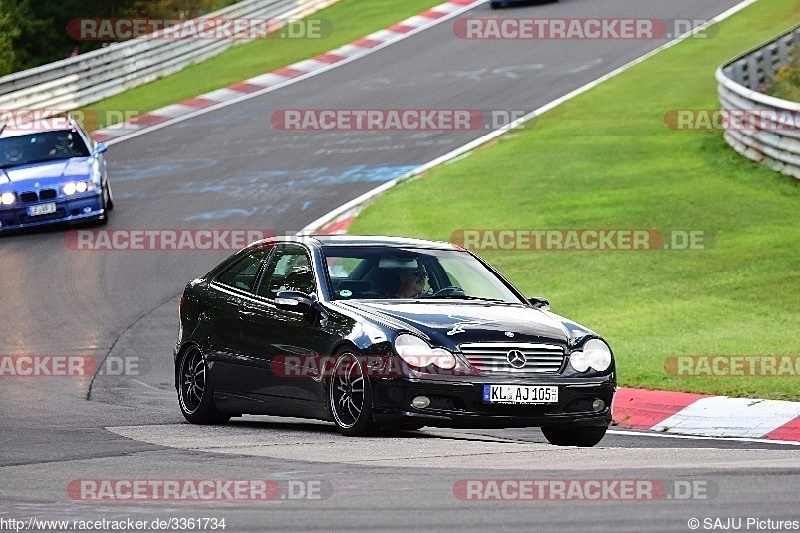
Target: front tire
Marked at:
109, 198
585, 437
195, 396
350, 396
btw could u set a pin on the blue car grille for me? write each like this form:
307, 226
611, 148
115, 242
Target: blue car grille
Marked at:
493, 357
31, 197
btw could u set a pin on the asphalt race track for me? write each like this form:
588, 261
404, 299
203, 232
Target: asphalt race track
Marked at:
230, 169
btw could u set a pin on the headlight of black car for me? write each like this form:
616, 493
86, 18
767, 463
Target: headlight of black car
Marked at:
595, 354
418, 353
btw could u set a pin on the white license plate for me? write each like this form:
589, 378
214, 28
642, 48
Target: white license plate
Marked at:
519, 394
43, 209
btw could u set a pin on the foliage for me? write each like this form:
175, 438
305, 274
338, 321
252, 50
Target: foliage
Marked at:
786, 82
38, 35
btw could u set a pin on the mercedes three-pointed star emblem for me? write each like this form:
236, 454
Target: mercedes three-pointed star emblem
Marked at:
516, 358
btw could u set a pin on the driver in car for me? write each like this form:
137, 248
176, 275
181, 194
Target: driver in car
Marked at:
13, 152
410, 282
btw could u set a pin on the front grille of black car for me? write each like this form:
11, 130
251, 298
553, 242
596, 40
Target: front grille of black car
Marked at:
60, 213
31, 197
493, 357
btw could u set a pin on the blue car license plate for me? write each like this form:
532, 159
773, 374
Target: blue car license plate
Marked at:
42, 209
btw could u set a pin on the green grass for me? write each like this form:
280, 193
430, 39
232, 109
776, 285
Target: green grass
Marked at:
606, 160
349, 20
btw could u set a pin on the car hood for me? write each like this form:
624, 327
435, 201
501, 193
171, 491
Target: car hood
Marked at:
50, 172
449, 324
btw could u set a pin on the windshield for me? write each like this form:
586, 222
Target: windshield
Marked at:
387, 272
44, 146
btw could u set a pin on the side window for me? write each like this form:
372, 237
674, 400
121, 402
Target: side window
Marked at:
242, 274
289, 270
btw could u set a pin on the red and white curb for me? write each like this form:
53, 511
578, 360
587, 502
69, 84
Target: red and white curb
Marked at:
682, 413
285, 75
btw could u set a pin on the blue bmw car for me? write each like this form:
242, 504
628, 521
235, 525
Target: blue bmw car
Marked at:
51, 172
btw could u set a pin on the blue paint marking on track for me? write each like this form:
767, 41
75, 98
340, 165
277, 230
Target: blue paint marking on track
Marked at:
297, 179
139, 171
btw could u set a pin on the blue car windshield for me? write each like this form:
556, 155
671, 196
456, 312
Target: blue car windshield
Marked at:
41, 146
411, 273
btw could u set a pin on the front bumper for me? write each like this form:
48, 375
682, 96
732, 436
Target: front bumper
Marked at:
72, 210
459, 403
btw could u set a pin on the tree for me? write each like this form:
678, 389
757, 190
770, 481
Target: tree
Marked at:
35, 33
8, 32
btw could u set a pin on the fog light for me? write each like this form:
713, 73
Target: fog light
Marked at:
420, 402
598, 405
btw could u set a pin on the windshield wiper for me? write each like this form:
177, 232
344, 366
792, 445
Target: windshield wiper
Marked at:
468, 297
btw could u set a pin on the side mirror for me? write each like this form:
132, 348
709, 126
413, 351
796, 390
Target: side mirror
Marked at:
539, 302
296, 301
100, 148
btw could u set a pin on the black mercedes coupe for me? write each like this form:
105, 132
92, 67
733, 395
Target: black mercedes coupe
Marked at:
378, 333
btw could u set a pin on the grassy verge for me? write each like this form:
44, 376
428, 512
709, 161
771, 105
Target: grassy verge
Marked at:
606, 160
349, 19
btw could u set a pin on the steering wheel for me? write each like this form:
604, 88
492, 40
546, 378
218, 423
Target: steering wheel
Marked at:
444, 291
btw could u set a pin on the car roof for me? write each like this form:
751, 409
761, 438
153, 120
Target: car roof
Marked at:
321, 241
13, 129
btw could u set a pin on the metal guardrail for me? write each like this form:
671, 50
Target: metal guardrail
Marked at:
87, 78
774, 138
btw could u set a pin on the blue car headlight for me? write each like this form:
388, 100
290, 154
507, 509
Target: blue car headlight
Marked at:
595, 354
77, 187
8, 198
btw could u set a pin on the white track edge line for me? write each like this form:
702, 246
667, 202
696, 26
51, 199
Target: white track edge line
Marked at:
321, 221
700, 437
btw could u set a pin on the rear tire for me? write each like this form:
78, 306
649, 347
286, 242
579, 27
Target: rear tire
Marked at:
585, 437
350, 396
195, 395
